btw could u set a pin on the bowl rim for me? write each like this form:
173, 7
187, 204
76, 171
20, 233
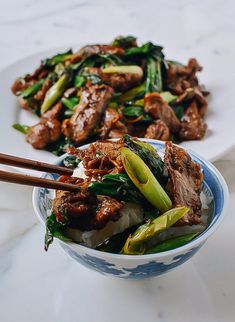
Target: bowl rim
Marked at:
199, 240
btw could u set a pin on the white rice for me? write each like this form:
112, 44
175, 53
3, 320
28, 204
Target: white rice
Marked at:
131, 214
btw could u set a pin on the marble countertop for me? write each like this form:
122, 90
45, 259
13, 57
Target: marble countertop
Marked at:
38, 286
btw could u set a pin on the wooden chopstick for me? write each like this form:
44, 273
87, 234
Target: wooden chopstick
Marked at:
34, 165
36, 182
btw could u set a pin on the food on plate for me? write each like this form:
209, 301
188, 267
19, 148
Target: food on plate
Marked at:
131, 200
106, 91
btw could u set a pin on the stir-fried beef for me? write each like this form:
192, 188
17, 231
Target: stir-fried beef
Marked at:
194, 94
100, 158
193, 127
19, 85
83, 210
23, 82
158, 130
112, 126
119, 81
159, 109
108, 209
92, 50
89, 83
93, 102
181, 77
44, 133
185, 179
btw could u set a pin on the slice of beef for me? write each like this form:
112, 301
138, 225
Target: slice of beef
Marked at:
181, 77
93, 102
158, 130
22, 83
192, 126
194, 94
185, 180
108, 209
112, 126
44, 133
101, 157
19, 85
159, 109
83, 210
118, 81
92, 50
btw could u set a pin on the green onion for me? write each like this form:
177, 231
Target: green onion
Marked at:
171, 243
33, 89
21, 128
144, 180
138, 242
55, 92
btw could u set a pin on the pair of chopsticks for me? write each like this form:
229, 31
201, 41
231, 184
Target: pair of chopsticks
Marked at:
35, 181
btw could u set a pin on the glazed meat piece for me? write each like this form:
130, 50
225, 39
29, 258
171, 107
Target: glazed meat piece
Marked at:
185, 179
84, 210
159, 109
24, 82
19, 85
93, 102
119, 81
158, 130
194, 94
100, 158
112, 126
108, 209
193, 127
44, 133
181, 77
92, 50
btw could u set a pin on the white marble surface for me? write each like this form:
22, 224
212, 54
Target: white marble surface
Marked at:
38, 286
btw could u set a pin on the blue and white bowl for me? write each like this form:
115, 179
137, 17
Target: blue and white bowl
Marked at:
142, 266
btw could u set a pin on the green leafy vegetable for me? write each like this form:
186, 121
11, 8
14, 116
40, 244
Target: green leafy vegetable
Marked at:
55, 92
70, 102
110, 59
171, 243
54, 229
146, 50
179, 111
118, 186
79, 81
71, 161
61, 145
144, 180
124, 42
21, 128
59, 58
137, 243
133, 111
33, 89
148, 154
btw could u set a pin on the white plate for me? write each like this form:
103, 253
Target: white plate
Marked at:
219, 139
